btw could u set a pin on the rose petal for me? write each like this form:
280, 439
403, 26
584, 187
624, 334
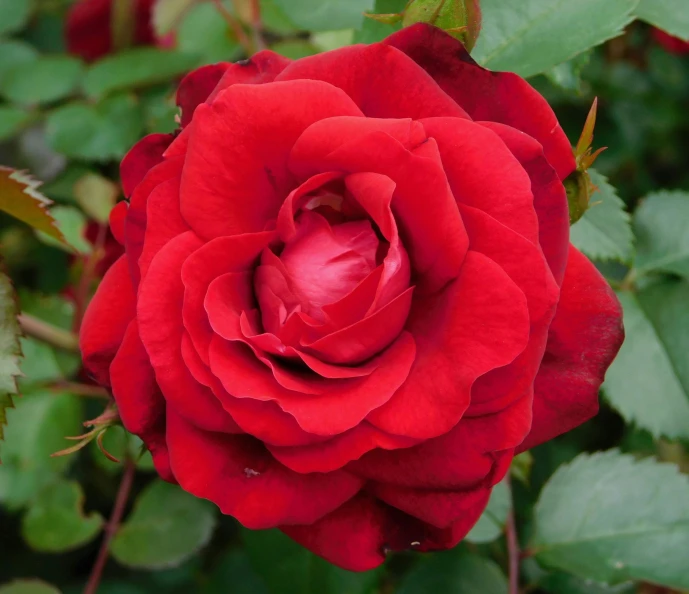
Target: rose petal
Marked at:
117, 218
584, 338
243, 479
106, 320
142, 157
493, 96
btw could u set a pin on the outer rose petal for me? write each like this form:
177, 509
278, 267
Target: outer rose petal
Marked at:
381, 80
106, 320
241, 477
139, 401
494, 96
585, 336
141, 158
235, 174
117, 218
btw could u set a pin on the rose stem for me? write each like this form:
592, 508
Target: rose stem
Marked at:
82, 291
236, 27
512, 550
54, 336
257, 25
112, 526
86, 390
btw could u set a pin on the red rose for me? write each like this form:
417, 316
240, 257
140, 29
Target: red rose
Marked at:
88, 27
674, 45
348, 296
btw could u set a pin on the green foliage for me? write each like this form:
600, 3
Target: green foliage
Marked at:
36, 429
454, 571
28, 587
72, 223
611, 518
41, 80
372, 30
10, 349
324, 15
604, 232
12, 119
15, 14
670, 15
166, 527
203, 34
533, 36
655, 322
661, 224
55, 521
286, 568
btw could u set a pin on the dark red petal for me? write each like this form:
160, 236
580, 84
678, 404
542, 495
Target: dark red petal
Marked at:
196, 86
492, 96
219, 256
382, 81
483, 173
144, 155
164, 221
235, 175
584, 338
464, 458
135, 224
338, 451
237, 474
550, 198
159, 312
337, 410
422, 196
106, 320
477, 323
117, 218
139, 401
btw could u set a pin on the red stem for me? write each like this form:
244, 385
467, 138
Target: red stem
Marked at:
236, 27
82, 292
111, 527
257, 25
513, 553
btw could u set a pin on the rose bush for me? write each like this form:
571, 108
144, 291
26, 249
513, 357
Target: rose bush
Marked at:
89, 27
348, 296
672, 44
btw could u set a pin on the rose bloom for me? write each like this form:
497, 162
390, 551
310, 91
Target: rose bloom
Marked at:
88, 27
348, 297
671, 44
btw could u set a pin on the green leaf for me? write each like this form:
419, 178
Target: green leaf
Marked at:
121, 444
234, 568
294, 50
13, 53
287, 568
661, 225
55, 521
604, 232
454, 571
44, 79
567, 75
15, 14
372, 31
72, 223
492, 522
10, 349
611, 518
12, 120
37, 428
101, 132
20, 198
166, 527
562, 583
532, 36
96, 195
331, 40
204, 34
137, 67
167, 15
649, 380
325, 15
28, 586
669, 15
39, 364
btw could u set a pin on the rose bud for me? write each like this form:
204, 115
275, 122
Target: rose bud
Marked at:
348, 297
95, 28
460, 18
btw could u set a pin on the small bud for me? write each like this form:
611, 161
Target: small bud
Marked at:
460, 18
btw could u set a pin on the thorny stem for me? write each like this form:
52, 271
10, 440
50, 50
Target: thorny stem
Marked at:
85, 390
111, 527
82, 290
54, 336
236, 27
513, 554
